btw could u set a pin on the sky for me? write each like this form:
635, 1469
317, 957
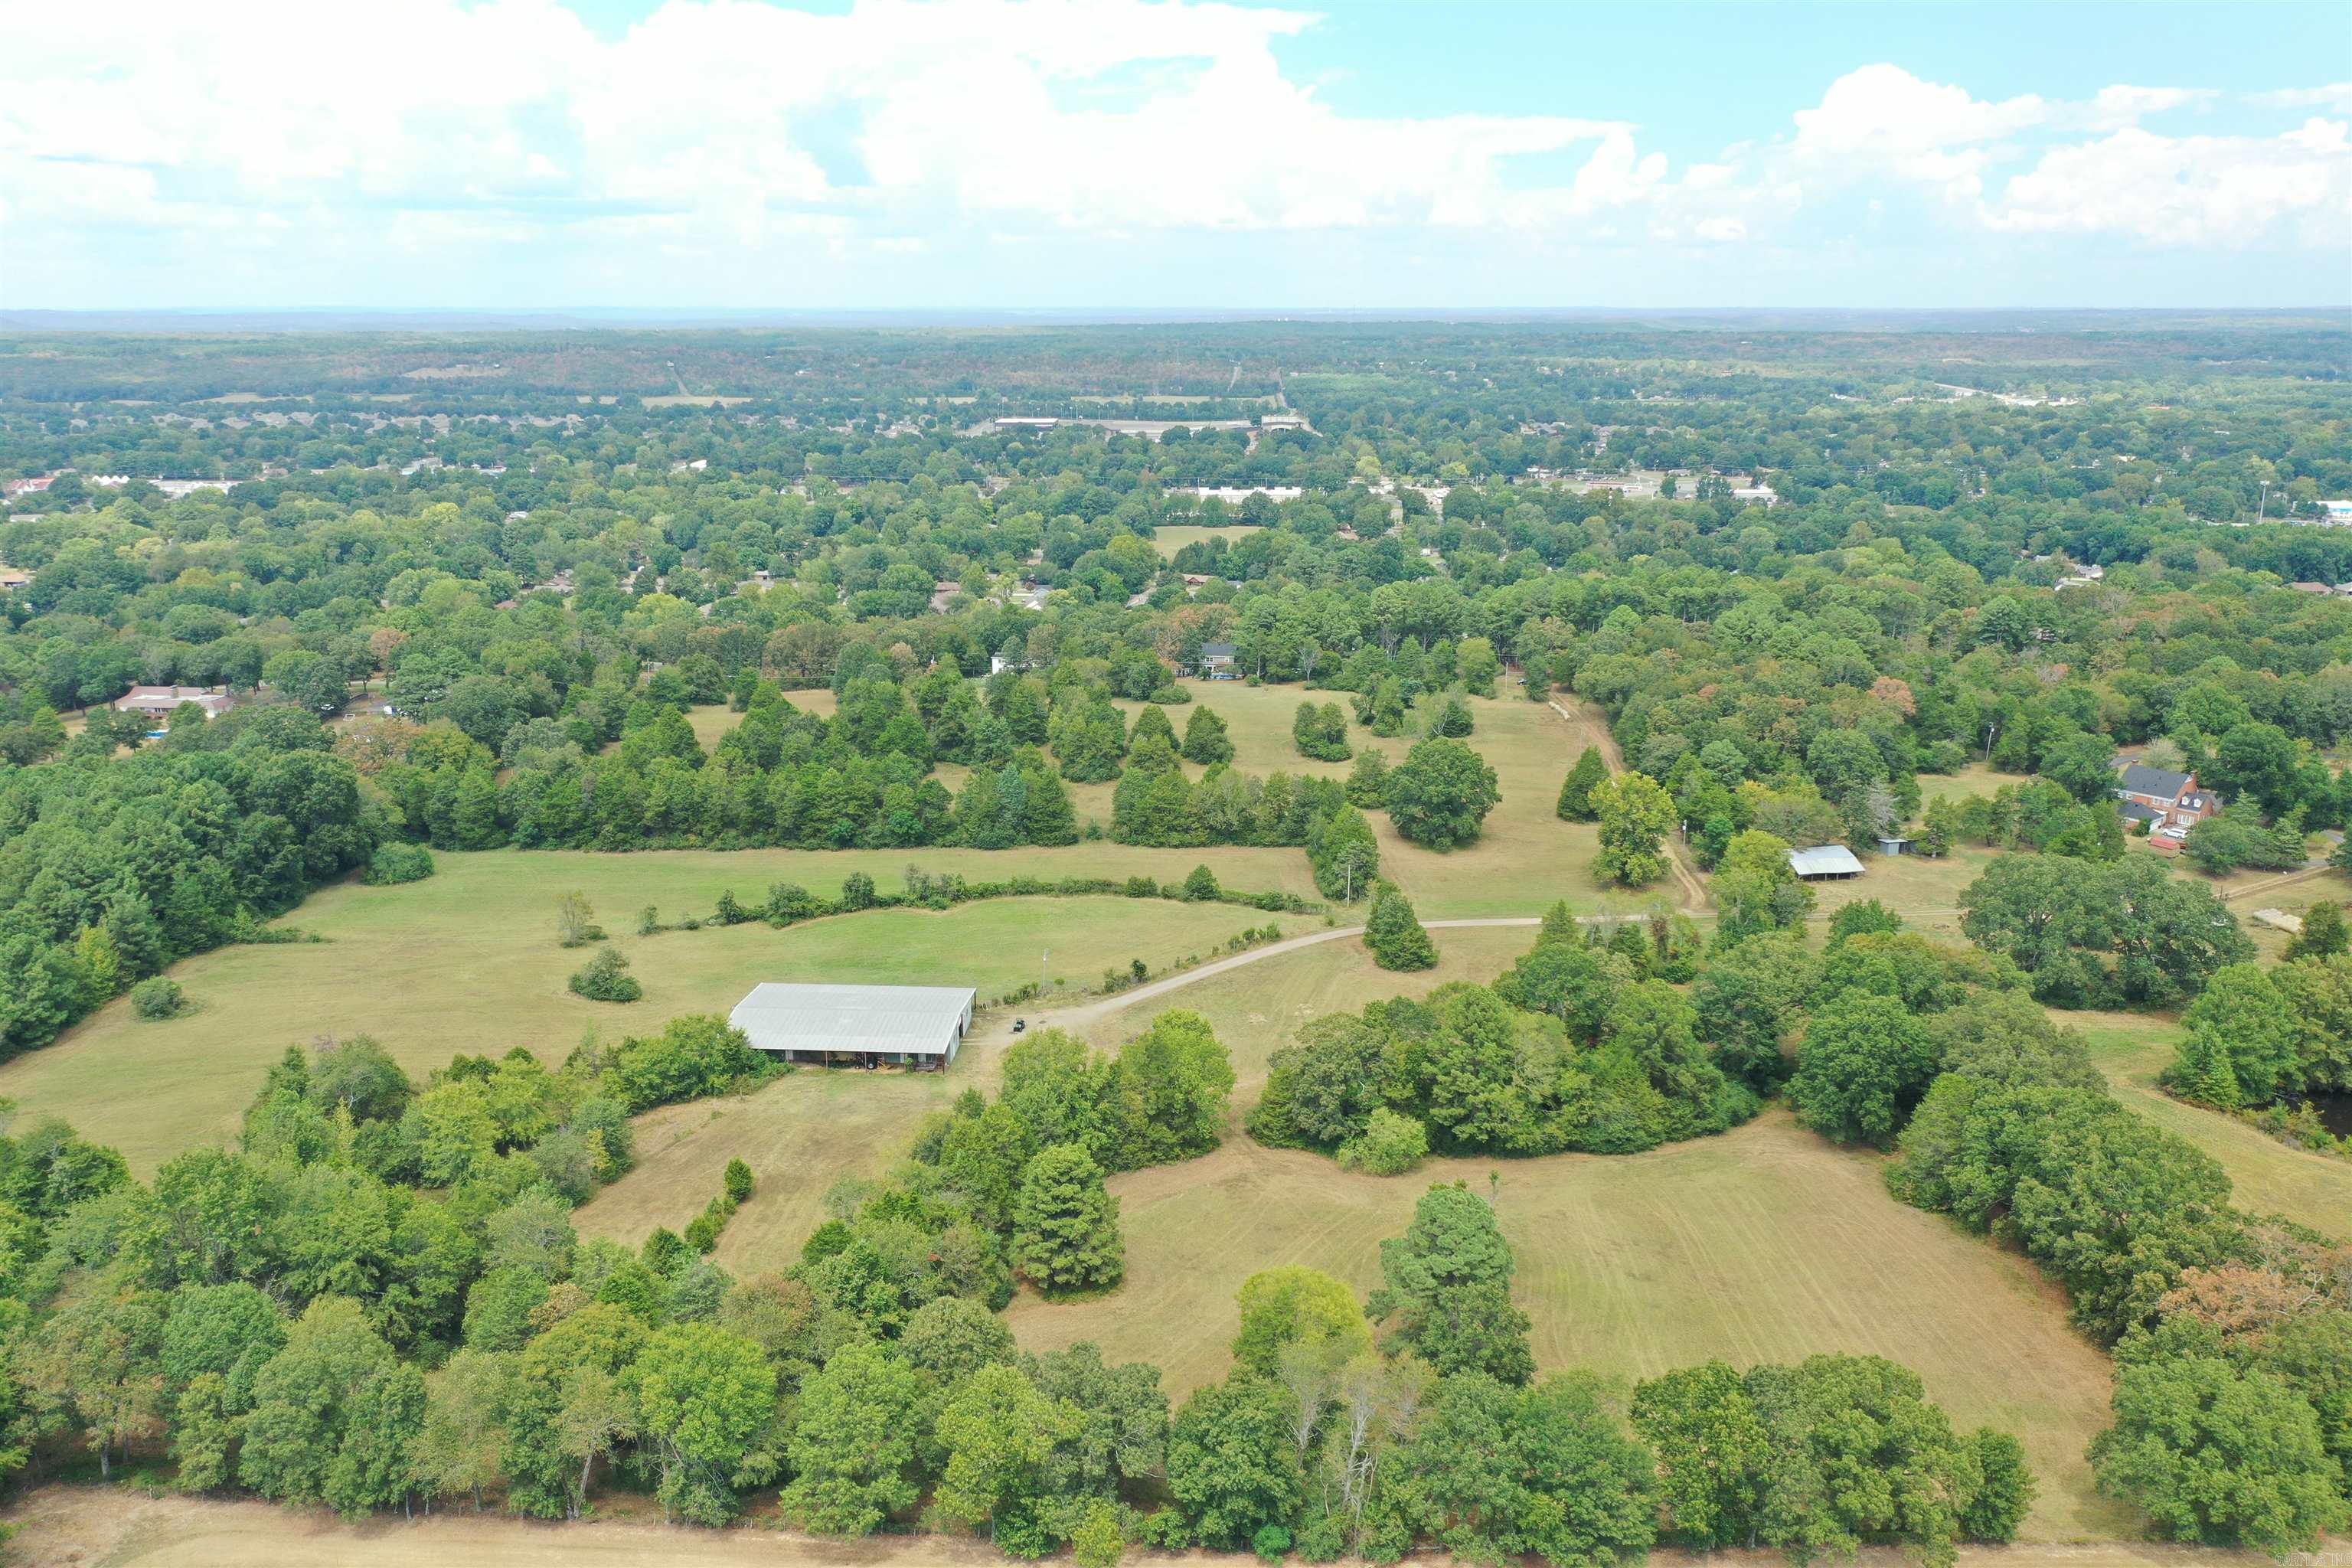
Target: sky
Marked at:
1134, 154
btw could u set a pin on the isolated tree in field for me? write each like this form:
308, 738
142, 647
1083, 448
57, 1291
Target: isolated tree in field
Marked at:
1205, 739
1394, 934
574, 920
605, 977
1636, 816
1065, 1225
1576, 790
1321, 733
1368, 779
1440, 793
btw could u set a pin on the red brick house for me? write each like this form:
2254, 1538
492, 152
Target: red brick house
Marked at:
2170, 803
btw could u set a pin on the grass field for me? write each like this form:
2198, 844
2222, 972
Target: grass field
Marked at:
1766, 1244
1176, 536
1525, 857
468, 960
801, 1133
2269, 1176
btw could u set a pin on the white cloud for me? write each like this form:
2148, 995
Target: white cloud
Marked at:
743, 140
2335, 96
1095, 114
2114, 106
2226, 190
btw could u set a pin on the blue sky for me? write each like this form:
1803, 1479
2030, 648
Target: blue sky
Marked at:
1142, 154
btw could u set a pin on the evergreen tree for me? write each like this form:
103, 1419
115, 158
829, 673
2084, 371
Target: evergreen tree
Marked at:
1206, 740
1065, 1225
1394, 934
1576, 790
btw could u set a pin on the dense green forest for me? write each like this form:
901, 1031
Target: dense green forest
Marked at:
464, 593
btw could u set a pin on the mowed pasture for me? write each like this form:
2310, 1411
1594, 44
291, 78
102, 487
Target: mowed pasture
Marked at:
1524, 858
2268, 1176
805, 1131
468, 960
1174, 537
1766, 1244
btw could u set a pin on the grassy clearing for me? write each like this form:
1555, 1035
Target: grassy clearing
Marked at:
1525, 859
2271, 1177
1766, 1244
801, 1133
1176, 536
466, 961
711, 721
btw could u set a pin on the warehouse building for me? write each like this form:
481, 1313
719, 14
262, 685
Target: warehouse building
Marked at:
856, 1026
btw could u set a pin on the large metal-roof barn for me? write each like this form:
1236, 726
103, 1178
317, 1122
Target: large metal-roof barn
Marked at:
856, 1026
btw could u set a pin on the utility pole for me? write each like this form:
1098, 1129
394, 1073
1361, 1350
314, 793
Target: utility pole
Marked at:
2263, 504
1042, 959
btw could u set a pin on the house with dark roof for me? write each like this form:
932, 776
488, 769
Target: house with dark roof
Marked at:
1217, 661
2170, 803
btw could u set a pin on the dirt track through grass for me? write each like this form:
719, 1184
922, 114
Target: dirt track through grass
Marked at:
75, 1527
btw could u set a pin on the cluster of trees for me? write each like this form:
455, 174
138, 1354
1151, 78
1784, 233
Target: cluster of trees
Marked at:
2258, 1036
1578, 1047
2234, 1334
2102, 933
112, 871
1321, 733
1156, 803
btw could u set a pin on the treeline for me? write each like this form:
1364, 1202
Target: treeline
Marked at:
112, 871
487, 1356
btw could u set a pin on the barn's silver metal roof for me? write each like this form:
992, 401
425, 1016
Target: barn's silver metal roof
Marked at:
1825, 860
917, 1018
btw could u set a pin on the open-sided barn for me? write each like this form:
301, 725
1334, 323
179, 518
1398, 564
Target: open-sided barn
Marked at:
856, 1026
